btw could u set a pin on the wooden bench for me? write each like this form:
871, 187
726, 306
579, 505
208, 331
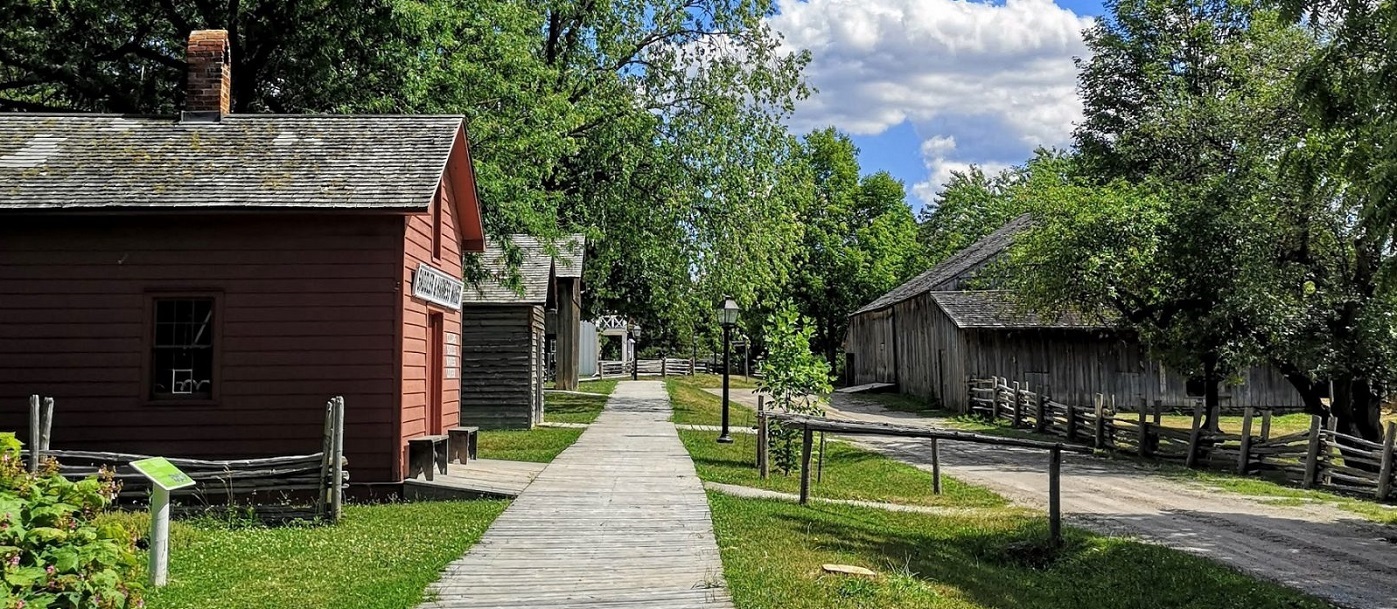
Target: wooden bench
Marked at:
462, 444
427, 455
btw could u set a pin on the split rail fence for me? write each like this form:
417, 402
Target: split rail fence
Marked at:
1319, 457
279, 488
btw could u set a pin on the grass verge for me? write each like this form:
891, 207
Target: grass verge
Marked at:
772, 552
695, 406
573, 407
714, 381
540, 444
849, 473
378, 557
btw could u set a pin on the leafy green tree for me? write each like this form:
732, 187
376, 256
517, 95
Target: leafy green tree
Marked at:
859, 237
1187, 104
793, 377
973, 204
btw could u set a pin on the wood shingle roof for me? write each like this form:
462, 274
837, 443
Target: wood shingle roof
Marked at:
536, 270
997, 309
50, 162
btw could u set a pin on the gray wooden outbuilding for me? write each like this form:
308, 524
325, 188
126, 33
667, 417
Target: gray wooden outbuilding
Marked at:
504, 335
936, 331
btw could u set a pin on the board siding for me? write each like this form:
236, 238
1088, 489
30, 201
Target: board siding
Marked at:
934, 358
417, 249
500, 366
306, 314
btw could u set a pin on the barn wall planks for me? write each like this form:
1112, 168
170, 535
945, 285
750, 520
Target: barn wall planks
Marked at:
933, 358
307, 312
500, 365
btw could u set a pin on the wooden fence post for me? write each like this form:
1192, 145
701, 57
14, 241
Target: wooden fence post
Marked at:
1245, 450
1312, 454
664, 366
327, 449
806, 447
935, 468
1327, 452
1042, 417
1071, 422
46, 429
1143, 436
1385, 475
1055, 497
1195, 434
1266, 425
1099, 441
35, 451
820, 465
763, 438
337, 466
1018, 406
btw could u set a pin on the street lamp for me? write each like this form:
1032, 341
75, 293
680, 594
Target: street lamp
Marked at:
727, 316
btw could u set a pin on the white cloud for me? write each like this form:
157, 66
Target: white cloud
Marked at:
935, 153
991, 80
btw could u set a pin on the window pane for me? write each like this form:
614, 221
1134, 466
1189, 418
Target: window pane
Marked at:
182, 357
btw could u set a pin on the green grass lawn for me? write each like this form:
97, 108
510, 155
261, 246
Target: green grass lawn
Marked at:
772, 552
693, 405
849, 473
378, 557
540, 444
573, 407
714, 381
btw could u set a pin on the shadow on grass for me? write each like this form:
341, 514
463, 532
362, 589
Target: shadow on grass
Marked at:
998, 560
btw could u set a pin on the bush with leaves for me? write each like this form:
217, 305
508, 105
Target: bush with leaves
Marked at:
54, 555
793, 378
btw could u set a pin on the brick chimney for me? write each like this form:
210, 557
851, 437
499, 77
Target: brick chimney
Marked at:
210, 73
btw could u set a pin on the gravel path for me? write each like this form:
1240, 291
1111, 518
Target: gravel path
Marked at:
1317, 548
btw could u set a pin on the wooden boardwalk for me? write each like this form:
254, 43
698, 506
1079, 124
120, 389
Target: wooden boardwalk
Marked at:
619, 520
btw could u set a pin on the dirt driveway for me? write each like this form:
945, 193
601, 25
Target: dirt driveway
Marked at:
1320, 549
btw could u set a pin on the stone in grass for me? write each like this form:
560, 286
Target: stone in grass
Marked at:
848, 570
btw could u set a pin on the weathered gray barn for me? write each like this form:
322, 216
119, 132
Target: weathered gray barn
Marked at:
503, 343
931, 334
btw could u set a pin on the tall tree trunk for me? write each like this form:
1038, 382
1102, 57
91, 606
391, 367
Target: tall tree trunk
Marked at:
1358, 407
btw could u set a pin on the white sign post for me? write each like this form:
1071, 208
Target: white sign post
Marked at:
164, 477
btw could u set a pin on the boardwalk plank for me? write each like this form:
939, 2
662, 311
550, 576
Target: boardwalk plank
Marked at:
618, 521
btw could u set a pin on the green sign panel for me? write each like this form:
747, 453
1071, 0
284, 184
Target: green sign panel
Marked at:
163, 473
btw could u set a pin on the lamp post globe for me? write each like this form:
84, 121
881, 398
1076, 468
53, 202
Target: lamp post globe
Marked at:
727, 317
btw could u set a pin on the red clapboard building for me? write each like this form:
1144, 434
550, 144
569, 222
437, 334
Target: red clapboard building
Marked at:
200, 285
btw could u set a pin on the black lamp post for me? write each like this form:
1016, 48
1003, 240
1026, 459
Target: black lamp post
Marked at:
727, 316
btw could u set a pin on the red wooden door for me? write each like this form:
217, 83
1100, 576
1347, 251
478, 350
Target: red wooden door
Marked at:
435, 365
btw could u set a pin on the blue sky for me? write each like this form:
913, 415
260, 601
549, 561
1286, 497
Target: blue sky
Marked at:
927, 87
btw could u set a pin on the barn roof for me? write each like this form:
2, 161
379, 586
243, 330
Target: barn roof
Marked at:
960, 262
997, 309
240, 161
536, 270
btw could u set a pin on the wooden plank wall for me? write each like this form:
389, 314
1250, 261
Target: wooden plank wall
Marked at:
499, 365
931, 353
569, 331
308, 312
418, 248
870, 340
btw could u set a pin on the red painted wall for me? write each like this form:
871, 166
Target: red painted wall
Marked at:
309, 310
418, 248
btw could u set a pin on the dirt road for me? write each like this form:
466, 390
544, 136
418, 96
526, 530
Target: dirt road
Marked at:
1320, 549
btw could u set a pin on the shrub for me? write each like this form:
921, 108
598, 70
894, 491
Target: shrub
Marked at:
793, 377
54, 555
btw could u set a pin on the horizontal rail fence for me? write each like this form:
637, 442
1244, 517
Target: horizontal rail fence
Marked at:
665, 366
279, 488
809, 425
1319, 457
